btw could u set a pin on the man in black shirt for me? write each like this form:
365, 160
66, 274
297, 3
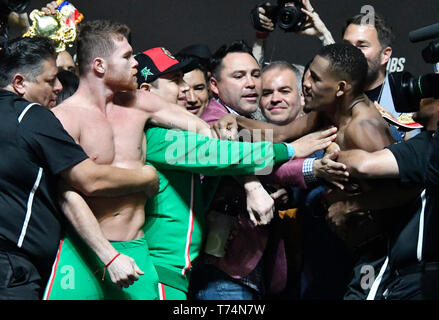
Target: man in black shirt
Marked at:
413, 258
36, 152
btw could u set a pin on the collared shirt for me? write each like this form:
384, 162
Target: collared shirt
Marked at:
34, 149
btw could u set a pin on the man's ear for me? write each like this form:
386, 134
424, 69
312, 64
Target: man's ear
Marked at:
18, 83
385, 55
213, 84
99, 66
342, 88
302, 100
145, 86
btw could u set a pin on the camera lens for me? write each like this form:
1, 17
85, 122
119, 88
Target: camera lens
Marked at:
412, 90
290, 18
286, 17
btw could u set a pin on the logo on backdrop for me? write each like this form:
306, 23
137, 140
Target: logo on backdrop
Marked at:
396, 64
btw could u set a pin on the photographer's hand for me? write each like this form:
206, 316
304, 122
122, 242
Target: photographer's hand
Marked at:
50, 8
259, 45
314, 26
264, 20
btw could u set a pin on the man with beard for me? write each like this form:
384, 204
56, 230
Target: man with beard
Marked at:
37, 153
374, 38
107, 116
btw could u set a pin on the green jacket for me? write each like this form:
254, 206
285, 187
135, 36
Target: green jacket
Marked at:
175, 216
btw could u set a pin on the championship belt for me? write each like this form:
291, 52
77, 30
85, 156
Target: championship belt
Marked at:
404, 121
61, 27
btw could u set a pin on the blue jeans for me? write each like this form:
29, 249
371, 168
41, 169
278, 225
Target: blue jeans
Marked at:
209, 283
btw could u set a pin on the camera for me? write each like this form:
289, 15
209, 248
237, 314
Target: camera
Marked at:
288, 17
411, 90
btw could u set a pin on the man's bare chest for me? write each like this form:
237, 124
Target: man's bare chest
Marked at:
114, 138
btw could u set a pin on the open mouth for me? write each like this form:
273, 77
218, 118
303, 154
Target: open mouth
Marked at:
307, 95
251, 96
193, 110
52, 103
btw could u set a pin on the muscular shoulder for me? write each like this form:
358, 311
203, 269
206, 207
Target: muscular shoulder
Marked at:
367, 130
69, 113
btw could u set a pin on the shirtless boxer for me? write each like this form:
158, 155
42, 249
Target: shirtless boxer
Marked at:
106, 116
333, 86
333, 90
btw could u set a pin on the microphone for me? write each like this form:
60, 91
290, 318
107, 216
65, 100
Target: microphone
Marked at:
425, 33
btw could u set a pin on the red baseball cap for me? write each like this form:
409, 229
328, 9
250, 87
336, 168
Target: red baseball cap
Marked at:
158, 61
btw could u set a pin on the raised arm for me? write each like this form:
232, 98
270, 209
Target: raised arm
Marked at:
314, 26
261, 36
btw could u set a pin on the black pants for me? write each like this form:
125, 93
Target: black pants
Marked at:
369, 259
430, 284
414, 282
19, 279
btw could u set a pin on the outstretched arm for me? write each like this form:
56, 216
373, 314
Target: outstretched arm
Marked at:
384, 195
169, 115
264, 131
362, 164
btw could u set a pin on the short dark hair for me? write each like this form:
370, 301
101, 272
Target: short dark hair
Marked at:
218, 56
202, 67
199, 64
96, 39
69, 82
348, 62
26, 56
384, 31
